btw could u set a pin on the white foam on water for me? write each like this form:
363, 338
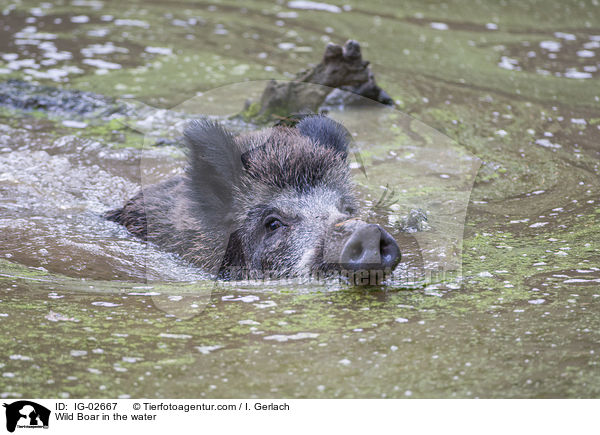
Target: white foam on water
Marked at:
107, 48
586, 53
74, 124
132, 23
80, 19
508, 63
159, 50
299, 336
205, 350
105, 304
538, 224
316, 6
177, 336
99, 63
574, 74
565, 36
547, 144
550, 45
439, 26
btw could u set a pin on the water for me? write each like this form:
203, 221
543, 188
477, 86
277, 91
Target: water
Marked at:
89, 311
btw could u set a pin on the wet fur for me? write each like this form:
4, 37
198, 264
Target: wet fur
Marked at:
209, 215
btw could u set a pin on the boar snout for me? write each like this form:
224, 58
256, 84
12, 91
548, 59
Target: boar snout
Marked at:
367, 247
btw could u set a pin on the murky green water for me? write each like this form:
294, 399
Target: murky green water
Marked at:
513, 92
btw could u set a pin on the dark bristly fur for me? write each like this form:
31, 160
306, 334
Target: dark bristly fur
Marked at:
300, 165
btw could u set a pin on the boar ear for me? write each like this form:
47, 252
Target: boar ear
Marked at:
215, 165
325, 131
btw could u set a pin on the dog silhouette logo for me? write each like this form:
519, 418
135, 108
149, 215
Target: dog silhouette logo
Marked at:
26, 414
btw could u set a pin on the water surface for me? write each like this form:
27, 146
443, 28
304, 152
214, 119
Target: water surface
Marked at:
500, 99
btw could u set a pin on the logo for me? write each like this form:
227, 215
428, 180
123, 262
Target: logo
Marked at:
26, 414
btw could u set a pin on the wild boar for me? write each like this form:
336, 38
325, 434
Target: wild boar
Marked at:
270, 204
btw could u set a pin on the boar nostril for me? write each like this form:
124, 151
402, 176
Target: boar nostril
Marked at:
390, 252
370, 246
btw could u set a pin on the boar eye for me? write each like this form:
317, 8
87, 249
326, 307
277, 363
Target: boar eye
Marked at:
272, 223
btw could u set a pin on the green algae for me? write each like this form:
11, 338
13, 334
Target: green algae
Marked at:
251, 112
116, 132
510, 327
